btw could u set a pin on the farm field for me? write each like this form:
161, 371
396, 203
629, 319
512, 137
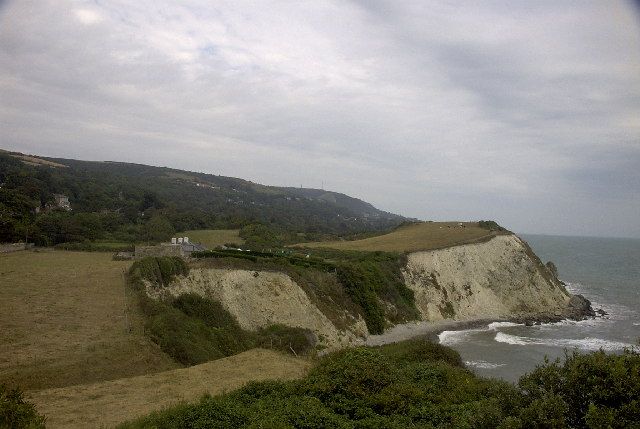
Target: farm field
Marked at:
413, 238
63, 321
108, 403
211, 238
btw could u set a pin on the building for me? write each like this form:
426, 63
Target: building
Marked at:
179, 246
62, 201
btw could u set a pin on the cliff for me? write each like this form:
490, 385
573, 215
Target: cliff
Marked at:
262, 298
499, 278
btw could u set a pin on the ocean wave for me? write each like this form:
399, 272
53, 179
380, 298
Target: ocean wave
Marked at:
448, 338
614, 311
483, 364
587, 344
497, 325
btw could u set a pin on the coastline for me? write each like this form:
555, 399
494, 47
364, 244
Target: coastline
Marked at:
426, 329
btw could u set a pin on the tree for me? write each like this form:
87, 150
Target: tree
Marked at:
158, 228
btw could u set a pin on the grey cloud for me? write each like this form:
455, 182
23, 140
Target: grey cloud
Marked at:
524, 112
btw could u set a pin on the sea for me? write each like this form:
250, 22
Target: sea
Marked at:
604, 270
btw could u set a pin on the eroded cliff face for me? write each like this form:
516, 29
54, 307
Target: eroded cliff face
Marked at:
498, 279
262, 298
501, 278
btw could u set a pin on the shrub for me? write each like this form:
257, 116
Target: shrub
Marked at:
396, 387
374, 277
420, 350
17, 413
586, 391
287, 339
491, 225
159, 270
186, 339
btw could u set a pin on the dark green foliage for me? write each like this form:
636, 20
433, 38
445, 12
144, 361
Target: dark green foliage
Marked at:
592, 390
414, 385
192, 329
491, 225
89, 246
419, 350
260, 236
132, 203
159, 270
367, 278
285, 338
210, 312
374, 277
360, 388
16, 413
186, 339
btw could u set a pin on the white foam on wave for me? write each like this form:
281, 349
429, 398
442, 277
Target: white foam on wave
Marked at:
448, 338
588, 344
497, 325
614, 311
483, 364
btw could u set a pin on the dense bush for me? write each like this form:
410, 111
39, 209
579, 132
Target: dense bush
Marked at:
398, 386
89, 246
159, 270
15, 412
374, 277
356, 388
593, 390
491, 225
285, 338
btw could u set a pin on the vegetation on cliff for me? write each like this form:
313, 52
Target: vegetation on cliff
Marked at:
371, 281
192, 329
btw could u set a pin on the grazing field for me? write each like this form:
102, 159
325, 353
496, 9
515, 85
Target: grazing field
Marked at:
62, 321
108, 403
415, 237
211, 238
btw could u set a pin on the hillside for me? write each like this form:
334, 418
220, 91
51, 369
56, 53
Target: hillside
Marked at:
133, 202
415, 237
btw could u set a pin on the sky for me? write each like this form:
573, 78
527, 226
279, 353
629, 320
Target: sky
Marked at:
525, 112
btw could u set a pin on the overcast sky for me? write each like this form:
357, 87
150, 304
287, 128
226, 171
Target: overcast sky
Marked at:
526, 112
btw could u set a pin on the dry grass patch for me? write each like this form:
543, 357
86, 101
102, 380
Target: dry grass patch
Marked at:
112, 402
63, 321
415, 237
211, 238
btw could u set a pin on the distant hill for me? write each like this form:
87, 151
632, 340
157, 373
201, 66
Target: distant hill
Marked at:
116, 200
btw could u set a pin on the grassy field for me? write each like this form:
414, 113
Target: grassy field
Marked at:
211, 238
63, 321
413, 238
109, 403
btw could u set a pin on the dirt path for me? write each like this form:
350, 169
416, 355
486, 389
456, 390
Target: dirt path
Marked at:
108, 403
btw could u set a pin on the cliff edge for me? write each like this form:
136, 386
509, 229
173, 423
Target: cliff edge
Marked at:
498, 279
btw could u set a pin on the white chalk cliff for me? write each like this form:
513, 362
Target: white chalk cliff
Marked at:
498, 279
